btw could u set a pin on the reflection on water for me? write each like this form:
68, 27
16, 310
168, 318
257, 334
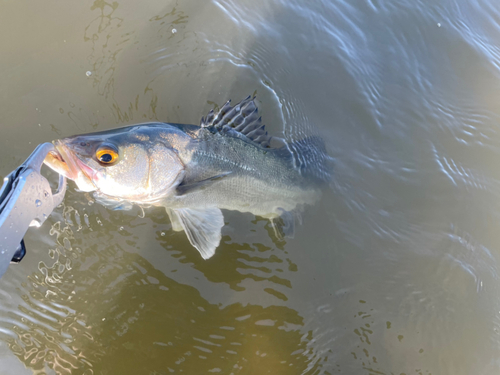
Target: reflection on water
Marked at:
101, 309
108, 38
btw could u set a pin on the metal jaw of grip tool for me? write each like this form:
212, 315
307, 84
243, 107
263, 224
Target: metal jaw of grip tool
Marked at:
26, 200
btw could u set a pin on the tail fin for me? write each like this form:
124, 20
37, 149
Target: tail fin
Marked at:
311, 159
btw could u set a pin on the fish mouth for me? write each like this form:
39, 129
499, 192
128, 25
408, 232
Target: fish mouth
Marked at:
67, 163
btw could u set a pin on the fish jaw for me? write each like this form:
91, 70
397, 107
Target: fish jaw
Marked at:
67, 163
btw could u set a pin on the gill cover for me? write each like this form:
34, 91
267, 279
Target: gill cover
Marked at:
122, 165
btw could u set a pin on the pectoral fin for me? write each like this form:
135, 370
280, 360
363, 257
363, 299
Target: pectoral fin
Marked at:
202, 226
191, 186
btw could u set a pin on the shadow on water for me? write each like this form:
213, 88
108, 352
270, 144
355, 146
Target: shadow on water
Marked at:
241, 264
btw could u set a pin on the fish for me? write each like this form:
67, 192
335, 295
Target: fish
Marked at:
228, 162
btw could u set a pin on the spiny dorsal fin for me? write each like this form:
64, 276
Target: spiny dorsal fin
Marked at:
243, 118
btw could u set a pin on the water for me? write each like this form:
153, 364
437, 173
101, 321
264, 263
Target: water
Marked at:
395, 271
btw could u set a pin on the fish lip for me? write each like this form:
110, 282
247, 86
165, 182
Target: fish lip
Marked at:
76, 167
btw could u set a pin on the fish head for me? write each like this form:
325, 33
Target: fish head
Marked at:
125, 164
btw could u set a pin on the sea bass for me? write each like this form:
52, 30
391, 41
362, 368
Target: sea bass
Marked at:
228, 162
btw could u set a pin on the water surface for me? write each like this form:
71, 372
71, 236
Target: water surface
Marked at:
395, 271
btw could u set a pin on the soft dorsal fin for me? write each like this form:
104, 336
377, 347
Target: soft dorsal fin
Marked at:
243, 118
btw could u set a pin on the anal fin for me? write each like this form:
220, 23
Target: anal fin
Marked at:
202, 227
284, 225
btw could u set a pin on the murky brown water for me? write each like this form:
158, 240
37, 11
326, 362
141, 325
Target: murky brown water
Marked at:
396, 271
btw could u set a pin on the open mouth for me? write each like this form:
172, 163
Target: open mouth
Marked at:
64, 161
56, 156
56, 161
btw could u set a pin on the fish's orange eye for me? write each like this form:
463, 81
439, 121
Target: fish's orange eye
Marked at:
106, 155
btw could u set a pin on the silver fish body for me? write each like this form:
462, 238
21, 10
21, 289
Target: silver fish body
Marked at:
229, 162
